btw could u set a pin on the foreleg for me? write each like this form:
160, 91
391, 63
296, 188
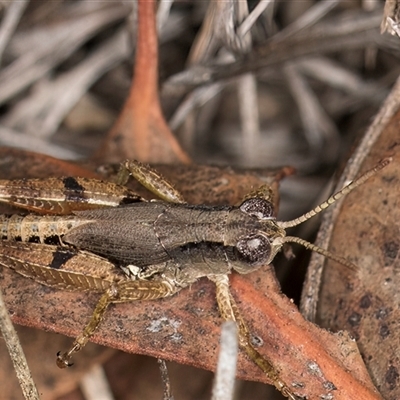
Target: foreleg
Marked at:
229, 311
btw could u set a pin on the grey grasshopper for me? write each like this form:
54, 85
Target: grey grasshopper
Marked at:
101, 237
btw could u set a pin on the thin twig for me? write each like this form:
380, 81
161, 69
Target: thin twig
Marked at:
310, 17
17, 355
13, 138
12, 16
224, 382
318, 127
94, 385
167, 394
51, 45
247, 96
251, 19
43, 111
163, 12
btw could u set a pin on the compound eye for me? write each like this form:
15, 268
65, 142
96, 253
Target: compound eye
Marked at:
254, 249
259, 208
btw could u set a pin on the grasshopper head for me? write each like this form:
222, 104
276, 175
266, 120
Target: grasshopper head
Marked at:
260, 244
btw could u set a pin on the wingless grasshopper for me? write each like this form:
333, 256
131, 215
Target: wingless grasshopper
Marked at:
140, 250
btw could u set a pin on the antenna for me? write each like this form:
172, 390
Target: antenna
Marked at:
347, 189
319, 250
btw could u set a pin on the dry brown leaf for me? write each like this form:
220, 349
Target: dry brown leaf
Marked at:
185, 328
367, 232
199, 184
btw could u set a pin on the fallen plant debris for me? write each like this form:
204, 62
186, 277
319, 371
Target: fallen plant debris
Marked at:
66, 74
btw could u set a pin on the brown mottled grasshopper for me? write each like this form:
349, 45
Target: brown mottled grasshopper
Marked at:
102, 237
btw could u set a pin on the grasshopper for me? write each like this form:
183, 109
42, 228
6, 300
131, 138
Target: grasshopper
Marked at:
101, 237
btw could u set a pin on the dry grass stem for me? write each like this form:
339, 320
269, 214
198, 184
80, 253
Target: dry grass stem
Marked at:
224, 380
94, 385
17, 355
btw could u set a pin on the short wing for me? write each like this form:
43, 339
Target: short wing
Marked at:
124, 234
